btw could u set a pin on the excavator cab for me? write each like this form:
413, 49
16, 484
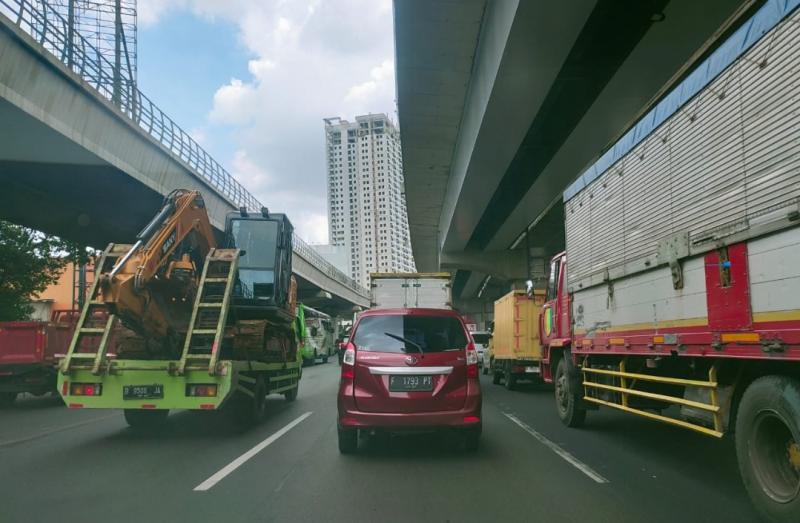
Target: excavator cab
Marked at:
265, 262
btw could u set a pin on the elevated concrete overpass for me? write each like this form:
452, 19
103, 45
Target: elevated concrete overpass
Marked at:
75, 164
502, 104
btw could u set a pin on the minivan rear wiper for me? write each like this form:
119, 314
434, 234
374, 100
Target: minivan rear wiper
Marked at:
400, 338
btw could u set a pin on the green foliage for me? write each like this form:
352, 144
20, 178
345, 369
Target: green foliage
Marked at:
29, 262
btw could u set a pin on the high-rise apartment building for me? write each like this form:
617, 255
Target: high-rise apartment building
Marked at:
366, 200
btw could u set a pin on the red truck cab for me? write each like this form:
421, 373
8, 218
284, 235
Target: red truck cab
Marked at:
555, 317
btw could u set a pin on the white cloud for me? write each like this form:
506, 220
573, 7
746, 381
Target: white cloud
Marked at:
312, 227
232, 103
381, 83
199, 135
308, 59
249, 173
149, 12
259, 68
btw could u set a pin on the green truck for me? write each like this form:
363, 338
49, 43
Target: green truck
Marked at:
316, 332
159, 334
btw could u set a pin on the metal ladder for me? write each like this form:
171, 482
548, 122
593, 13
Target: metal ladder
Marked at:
211, 307
88, 316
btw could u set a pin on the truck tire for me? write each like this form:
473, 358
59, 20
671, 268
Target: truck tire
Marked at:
250, 411
291, 394
146, 418
7, 398
495, 374
568, 402
511, 380
768, 446
485, 370
348, 440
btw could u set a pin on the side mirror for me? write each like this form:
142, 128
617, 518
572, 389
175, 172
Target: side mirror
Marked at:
242, 252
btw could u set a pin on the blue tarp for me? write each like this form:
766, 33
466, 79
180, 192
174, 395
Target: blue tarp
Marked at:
735, 46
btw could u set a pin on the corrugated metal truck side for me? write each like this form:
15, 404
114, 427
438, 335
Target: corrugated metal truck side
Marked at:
409, 290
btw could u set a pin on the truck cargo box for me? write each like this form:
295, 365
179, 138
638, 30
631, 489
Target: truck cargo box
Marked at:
702, 209
34, 342
411, 290
28, 353
22, 342
516, 329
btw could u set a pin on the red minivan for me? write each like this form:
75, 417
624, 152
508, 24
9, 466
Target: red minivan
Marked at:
409, 369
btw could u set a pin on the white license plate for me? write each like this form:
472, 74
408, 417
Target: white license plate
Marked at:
532, 370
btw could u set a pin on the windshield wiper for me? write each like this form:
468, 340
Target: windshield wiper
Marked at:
406, 340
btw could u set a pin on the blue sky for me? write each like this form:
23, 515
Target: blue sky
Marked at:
182, 62
252, 80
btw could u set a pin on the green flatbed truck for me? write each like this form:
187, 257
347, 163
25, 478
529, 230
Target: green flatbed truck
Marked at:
234, 345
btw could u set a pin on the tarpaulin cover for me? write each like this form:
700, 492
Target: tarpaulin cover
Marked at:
726, 54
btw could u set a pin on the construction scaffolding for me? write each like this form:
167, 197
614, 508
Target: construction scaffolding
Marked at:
110, 27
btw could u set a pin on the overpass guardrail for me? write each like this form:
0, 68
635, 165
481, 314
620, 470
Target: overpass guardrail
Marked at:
46, 25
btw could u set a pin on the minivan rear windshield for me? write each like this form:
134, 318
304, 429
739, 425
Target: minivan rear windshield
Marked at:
401, 333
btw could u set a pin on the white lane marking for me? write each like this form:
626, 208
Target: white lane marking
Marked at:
238, 462
569, 458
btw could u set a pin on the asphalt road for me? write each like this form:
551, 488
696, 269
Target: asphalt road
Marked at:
80, 465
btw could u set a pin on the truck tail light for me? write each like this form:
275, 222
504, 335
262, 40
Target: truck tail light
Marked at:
349, 362
86, 389
472, 361
201, 390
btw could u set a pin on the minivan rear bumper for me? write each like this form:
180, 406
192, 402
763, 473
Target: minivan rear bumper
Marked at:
467, 417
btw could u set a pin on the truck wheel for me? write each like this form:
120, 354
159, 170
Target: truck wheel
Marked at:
291, 394
496, 375
768, 446
7, 398
348, 440
485, 370
145, 418
567, 400
511, 380
246, 410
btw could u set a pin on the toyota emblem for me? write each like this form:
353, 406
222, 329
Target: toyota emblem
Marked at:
411, 360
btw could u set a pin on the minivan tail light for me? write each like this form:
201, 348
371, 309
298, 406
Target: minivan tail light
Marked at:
472, 361
348, 362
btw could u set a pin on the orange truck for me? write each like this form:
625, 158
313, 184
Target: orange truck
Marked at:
516, 353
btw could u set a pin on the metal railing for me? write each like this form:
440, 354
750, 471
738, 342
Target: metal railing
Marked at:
43, 23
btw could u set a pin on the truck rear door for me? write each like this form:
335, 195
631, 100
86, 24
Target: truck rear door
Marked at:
430, 293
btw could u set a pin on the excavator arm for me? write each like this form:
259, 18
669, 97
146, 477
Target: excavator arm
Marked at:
152, 286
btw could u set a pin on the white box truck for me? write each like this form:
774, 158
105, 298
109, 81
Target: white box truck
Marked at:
406, 290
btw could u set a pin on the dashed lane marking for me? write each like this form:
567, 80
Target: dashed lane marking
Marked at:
569, 458
238, 462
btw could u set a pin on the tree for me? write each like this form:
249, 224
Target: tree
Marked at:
29, 262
